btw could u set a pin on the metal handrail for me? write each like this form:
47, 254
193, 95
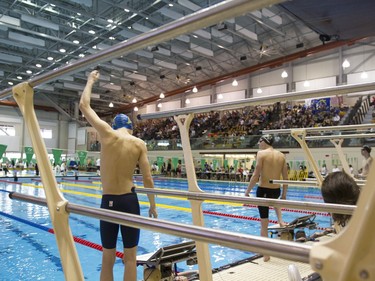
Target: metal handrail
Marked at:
245, 242
339, 90
323, 207
202, 18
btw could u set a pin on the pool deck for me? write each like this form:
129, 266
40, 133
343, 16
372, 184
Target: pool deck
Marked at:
258, 270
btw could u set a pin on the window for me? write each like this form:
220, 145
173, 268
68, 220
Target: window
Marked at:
7, 130
46, 133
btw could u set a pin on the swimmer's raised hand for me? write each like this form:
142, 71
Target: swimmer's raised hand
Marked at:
94, 75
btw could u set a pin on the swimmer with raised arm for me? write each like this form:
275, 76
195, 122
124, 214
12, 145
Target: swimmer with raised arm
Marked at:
120, 153
270, 165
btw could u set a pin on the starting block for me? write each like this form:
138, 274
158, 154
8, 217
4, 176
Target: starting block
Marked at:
287, 232
162, 264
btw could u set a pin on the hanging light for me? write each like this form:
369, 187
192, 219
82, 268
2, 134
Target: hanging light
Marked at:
345, 64
134, 100
195, 90
284, 74
110, 104
259, 91
306, 84
187, 101
159, 105
364, 75
162, 96
234, 83
135, 108
220, 97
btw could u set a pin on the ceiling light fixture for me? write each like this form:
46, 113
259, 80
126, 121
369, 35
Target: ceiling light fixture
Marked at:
159, 105
62, 50
284, 74
345, 64
134, 100
259, 91
75, 41
162, 96
187, 101
10, 83
234, 83
306, 84
50, 58
195, 90
126, 10
110, 104
29, 72
38, 65
19, 77
220, 96
135, 108
81, 55
91, 31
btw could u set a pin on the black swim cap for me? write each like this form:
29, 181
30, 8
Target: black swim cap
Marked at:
268, 139
367, 148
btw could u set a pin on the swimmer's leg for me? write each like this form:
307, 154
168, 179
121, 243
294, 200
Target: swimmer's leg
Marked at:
130, 261
264, 233
108, 260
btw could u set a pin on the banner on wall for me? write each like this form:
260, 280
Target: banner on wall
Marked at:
321, 104
225, 163
160, 161
3, 147
29, 151
82, 157
174, 162
214, 163
235, 164
57, 155
203, 164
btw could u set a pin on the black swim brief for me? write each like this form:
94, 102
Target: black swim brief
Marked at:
127, 203
264, 192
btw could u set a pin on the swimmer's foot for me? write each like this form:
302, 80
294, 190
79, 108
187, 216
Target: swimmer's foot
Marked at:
266, 258
283, 224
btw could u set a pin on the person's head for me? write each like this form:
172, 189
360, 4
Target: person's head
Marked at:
122, 121
366, 150
340, 188
265, 141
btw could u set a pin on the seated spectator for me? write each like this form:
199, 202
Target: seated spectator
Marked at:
324, 170
336, 169
340, 188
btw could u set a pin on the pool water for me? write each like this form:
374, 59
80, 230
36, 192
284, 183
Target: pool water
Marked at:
29, 251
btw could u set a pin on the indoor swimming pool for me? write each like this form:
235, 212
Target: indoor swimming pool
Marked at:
29, 250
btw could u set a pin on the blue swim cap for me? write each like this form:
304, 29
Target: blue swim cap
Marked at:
122, 121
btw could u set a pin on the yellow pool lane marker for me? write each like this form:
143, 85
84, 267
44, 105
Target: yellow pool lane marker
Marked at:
179, 198
99, 196
160, 196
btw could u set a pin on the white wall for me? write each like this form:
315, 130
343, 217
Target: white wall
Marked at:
47, 120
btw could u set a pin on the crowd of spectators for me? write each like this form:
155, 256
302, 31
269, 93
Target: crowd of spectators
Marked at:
241, 122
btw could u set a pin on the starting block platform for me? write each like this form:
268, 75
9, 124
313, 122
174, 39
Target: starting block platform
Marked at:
162, 264
287, 232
